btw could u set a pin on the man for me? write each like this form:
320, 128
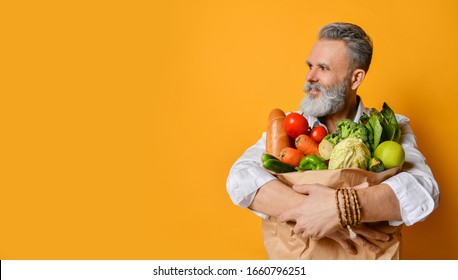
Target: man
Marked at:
338, 64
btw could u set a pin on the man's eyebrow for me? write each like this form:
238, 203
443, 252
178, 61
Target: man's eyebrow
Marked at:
321, 65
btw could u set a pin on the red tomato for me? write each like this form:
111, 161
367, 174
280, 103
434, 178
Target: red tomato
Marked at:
295, 124
318, 133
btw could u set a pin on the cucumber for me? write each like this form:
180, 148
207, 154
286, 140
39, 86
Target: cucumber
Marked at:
267, 156
277, 166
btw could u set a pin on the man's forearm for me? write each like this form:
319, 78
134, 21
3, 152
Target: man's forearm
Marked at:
275, 197
378, 203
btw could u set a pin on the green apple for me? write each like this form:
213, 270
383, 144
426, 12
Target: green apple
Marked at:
390, 153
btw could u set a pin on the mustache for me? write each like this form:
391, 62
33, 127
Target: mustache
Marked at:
313, 86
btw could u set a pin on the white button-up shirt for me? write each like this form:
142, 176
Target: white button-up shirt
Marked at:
415, 186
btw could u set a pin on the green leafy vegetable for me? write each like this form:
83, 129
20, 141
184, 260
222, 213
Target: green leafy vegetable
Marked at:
391, 126
381, 126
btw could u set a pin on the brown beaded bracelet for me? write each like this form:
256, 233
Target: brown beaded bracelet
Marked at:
356, 205
339, 213
350, 214
353, 207
347, 206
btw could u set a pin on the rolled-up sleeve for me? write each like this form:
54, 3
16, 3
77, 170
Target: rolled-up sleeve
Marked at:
415, 186
247, 176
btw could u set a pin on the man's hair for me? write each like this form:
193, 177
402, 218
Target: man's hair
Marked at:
358, 42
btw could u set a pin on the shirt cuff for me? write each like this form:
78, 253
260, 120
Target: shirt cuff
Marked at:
414, 201
243, 189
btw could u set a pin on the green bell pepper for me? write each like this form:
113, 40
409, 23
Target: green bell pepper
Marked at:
312, 162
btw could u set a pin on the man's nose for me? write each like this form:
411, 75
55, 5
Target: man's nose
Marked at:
312, 76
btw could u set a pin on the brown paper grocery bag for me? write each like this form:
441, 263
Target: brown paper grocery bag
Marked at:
281, 242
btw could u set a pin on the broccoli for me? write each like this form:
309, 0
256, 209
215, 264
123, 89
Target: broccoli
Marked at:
359, 132
334, 138
346, 126
350, 129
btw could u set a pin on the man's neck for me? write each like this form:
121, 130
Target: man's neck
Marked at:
348, 112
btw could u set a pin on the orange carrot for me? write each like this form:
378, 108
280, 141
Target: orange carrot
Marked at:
291, 156
306, 145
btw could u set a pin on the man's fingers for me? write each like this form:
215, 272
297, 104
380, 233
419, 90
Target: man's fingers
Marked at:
341, 237
362, 185
349, 247
371, 233
298, 230
303, 189
288, 215
366, 244
343, 241
306, 188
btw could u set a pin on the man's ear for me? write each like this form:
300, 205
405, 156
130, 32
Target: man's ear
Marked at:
357, 78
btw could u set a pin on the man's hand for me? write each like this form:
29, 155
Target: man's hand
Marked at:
342, 237
316, 216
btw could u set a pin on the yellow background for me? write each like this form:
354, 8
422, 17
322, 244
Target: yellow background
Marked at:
120, 120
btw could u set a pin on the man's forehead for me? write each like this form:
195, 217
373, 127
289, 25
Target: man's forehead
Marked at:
328, 52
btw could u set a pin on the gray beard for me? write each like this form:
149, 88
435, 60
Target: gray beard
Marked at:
330, 100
